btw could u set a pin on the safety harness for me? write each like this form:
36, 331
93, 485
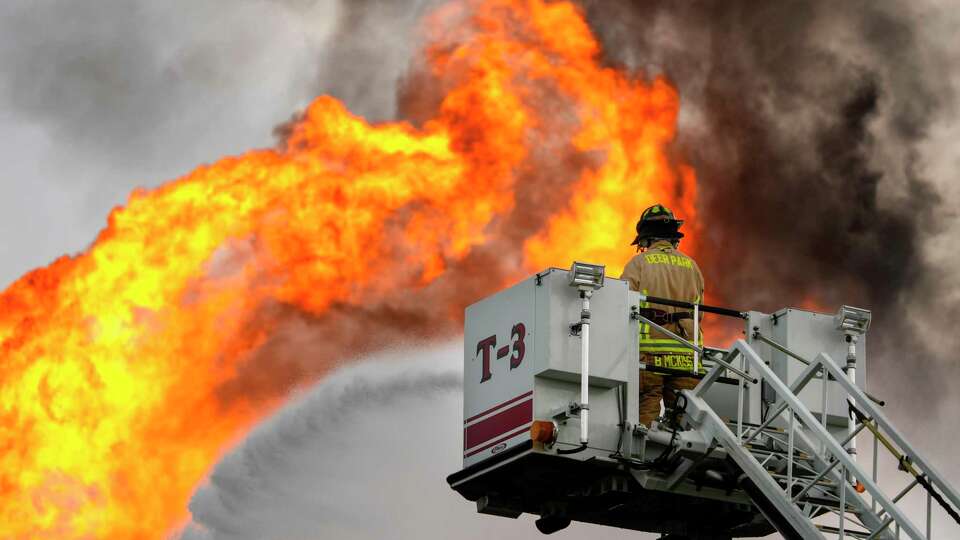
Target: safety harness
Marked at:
662, 317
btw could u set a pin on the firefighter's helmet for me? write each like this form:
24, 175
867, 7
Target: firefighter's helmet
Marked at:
656, 223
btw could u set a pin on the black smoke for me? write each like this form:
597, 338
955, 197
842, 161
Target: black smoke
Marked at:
785, 148
806, 122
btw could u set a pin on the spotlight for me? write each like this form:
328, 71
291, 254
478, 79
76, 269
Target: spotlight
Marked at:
586, 276
852, 320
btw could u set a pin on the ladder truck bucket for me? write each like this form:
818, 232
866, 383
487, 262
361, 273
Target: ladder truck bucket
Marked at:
765, 443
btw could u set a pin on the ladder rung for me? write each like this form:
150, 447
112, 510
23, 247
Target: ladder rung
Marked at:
828, 503
798, 454
836, 530
799, 481
752, 425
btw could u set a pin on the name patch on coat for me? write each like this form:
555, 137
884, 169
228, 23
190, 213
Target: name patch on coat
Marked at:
664, 258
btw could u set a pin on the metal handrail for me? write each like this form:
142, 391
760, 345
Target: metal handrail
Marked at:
860, 397
790, 400
881, 421
835, 464
871, 418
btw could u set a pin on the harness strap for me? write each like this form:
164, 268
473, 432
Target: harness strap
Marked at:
662, 317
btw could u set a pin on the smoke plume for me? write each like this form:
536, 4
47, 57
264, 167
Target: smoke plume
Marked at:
809, 125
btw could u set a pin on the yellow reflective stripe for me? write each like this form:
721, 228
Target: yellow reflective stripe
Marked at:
700, 334
673, 345
663, 345
679, 362
674, 348
644, 327
658, 350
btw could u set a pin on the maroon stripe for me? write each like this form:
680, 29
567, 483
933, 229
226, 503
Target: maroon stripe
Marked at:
499, 423
498, 441
491, 409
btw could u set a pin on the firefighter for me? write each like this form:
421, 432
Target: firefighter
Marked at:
660, 269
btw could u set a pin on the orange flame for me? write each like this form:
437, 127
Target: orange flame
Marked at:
112, 359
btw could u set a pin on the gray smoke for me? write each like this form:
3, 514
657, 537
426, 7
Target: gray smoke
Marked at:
367, 58
108, 75
370, 52
98, 98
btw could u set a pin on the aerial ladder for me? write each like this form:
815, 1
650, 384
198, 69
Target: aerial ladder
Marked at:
769, 441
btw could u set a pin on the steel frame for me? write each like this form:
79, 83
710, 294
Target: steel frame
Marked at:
825, 464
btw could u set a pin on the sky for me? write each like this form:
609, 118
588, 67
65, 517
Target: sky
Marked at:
100, 98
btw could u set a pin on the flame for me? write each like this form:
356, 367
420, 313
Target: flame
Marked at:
113, 359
